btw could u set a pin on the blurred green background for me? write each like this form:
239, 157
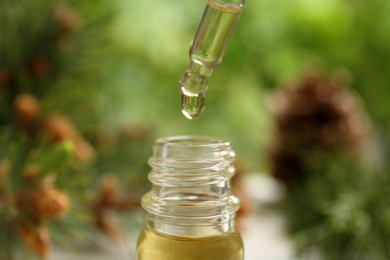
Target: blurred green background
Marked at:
128, 57
111, 71
273, 44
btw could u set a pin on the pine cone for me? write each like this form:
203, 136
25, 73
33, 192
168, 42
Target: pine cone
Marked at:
5, 78
238, 187
27, 109
58, 127
108, 199
37, 238
4, 171
136, 132
49, 203
30, 172
110, 196
43, 203
315, 115
40, 67
66, 17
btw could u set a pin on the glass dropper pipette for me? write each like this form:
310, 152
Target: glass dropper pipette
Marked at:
206, 52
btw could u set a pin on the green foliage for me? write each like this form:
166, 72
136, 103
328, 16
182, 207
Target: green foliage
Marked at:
283, 38
274, 42
341, 211
17, 153
54, 51
125, 154
48, 46
156, 52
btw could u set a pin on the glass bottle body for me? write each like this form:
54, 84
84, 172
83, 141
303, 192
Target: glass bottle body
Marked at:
190, 208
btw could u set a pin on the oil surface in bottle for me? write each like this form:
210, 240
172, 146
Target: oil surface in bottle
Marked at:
152, 246
206, 52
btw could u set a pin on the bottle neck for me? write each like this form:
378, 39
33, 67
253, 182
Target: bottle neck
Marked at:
191, 195
184, 213
193, 230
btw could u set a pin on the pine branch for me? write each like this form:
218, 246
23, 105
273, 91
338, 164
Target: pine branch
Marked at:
340, 210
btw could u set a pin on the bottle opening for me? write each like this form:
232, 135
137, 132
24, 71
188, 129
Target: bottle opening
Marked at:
191, 141
194, 149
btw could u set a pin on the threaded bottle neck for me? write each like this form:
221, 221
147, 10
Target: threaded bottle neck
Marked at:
191, 193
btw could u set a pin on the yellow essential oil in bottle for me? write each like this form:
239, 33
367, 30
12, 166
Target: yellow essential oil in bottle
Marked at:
157, 246
190, 208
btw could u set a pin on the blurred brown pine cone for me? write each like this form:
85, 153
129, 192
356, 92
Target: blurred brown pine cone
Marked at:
58, 127
68, 18
43, 204
109, 198
40, 67
27, 109
36, 237
49, 203
5, 78
110, 195
4, 171
317, 114
238, 187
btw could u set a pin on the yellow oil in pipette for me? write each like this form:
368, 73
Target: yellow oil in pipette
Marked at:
206, 52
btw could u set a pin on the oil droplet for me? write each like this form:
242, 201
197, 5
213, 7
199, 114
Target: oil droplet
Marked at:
192, 106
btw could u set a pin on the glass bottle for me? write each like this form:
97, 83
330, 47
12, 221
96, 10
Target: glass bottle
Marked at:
190, 209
